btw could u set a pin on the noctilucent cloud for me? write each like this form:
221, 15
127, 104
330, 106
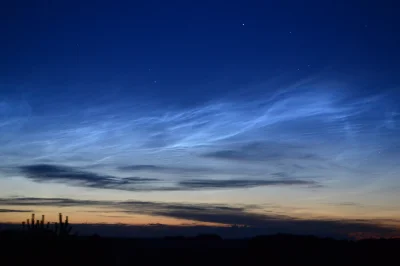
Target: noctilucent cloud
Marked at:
204, 112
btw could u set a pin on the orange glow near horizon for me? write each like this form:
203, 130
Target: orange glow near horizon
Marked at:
103, 218
108, 216
81, 217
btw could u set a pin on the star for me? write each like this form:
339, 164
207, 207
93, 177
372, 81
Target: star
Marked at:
242, 24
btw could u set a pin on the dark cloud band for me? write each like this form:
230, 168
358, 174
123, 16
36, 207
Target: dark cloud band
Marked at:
76, 177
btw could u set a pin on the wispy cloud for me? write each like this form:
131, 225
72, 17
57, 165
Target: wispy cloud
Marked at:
242, 183
115, 125
165, 169
262, 151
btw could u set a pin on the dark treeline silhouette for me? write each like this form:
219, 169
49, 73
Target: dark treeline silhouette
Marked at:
36, 242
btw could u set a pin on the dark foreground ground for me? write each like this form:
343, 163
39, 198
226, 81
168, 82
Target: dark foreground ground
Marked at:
25, 249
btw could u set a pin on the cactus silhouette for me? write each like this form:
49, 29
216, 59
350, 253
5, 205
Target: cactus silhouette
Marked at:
32, 226
60, 229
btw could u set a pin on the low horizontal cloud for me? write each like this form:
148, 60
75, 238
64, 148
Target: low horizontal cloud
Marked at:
348, 203
223, 214
216, 213
11, 210
76, 177
54, 202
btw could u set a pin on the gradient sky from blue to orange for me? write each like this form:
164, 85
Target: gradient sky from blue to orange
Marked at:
290, 107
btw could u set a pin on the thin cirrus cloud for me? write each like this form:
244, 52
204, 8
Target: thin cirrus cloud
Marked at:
217, 131
75, 177
166, 169
187, 171
262, 151
162, 129
243, 183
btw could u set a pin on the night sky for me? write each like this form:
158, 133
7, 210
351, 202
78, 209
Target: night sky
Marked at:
201, 112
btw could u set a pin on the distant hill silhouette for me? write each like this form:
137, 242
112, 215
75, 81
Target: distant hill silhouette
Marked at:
23, 248
36, 242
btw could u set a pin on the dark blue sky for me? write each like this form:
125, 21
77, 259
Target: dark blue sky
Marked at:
190, 51
288, 105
